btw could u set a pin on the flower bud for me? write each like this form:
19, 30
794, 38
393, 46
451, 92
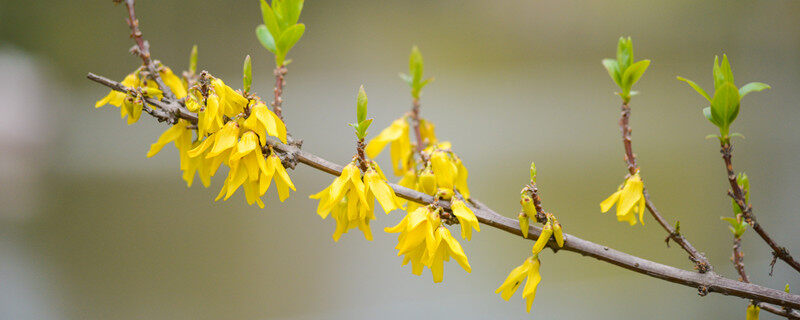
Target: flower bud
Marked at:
547, 231
527, 205
427, 182
558, 233
524, 224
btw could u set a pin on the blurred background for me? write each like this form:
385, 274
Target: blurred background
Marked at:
92, 229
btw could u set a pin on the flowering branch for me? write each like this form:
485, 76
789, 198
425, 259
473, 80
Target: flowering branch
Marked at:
696, 257
710, 281
739, 198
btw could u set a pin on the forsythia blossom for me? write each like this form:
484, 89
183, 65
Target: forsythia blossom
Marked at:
424, 241
351, 199
752, 312
629, 200
397, 135
528, 270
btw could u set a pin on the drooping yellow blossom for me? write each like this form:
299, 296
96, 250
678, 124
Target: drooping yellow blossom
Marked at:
524, 224
401, 151
427, 132
466, 218
752, 312
558, 232
544, 237
424, 241
628, 199
262, 120
173, 82
530, 270
181, 135
350, 199
528, 212
445, 247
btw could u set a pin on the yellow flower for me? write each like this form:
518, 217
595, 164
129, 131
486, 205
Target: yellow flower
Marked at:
265, 122
425, 242
222, 101
446, 247
427, 132
544, 237
752, 312
628, 199
401, 152
181, 135
351, 199
466, 218
530, 270
524, 224
173, 82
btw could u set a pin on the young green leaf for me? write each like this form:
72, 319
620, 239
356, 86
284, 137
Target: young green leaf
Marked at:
612, 66
624, 53
696, 88
725, 105
247, 74
270, 19
265, 37
193, 60
707, 113
725, 68
361, 105
533, 172
292, 9
634, 72
752, 87
289, 38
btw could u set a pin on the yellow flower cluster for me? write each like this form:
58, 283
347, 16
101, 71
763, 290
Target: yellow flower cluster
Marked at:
425, 241
752, 312
629, 200
239, 142
131, 104
232, 130
351, 199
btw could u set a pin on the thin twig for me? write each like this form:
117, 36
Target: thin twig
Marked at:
280, 74
415, 123
747, 210
701, 263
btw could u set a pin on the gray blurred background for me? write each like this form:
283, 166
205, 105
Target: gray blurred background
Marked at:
91, 229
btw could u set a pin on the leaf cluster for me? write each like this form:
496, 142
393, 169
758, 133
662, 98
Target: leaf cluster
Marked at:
362, 123
623, 70
414, 76
280, 31
724, 104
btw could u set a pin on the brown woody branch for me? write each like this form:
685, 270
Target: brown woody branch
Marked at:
709, 281
280, 74
778, 251
415, 123
701, 263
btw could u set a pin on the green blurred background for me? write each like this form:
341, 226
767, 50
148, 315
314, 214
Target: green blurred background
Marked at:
91, 229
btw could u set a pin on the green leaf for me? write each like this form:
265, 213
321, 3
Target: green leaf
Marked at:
247, 74
362, 128
736, 134
719, 79
725, 68
624, 53
752, 87
533, 172
744, 181
415, 65
289, 37
612, 66
361, 105
725, 104
266, 39
193, 60
696, 88
707, 113
280, 14
292, 9
270, 20
634, 72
